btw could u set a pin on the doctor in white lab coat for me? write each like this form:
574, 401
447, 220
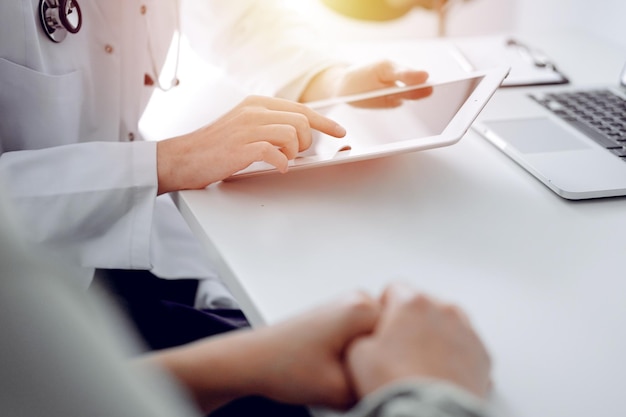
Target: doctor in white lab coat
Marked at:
86, 183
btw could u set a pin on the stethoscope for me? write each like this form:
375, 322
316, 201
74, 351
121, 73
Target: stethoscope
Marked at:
58, 17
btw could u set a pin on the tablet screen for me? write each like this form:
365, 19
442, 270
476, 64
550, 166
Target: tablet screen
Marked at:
391, 115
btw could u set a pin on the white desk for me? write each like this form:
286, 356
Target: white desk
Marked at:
540, 276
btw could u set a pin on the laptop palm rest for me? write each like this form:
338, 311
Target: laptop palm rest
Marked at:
535, 135
558, 157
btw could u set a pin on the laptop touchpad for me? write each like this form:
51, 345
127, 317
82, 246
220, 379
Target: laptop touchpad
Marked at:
535, 135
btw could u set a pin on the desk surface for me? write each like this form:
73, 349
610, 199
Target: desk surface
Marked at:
540, 276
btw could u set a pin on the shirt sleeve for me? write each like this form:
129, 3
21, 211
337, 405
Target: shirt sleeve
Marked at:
420, 398
93, 203
266, 46
69, 355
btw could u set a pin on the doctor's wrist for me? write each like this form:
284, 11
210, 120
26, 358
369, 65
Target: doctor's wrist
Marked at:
171, 166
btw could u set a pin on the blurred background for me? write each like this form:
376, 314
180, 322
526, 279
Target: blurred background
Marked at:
604, 18
176, 112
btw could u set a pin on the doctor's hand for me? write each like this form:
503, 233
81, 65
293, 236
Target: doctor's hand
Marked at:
418, 337
265, 129
341, 80
298, 361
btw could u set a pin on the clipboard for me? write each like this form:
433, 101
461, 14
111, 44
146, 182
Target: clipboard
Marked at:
529, 65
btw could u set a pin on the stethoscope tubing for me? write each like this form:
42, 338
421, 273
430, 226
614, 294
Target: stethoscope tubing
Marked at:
55, 22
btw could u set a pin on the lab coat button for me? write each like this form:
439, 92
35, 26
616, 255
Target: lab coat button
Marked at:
131, 137
108, 49
147, 80
143, 9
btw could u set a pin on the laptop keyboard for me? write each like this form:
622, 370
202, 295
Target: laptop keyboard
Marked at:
599, 114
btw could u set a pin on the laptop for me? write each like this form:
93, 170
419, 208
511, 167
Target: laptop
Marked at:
572, 139
395, 120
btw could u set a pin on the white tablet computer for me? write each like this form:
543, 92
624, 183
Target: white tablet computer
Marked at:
439, 116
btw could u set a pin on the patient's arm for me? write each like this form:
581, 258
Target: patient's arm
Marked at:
299, 361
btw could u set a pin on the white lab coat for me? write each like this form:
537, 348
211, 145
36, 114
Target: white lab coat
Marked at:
93, 200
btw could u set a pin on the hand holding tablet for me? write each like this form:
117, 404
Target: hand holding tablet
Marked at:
394, 120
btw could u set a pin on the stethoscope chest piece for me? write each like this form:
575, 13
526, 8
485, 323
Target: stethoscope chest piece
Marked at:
58, 17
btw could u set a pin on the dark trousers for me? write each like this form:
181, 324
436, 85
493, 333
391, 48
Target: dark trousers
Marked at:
163, 314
